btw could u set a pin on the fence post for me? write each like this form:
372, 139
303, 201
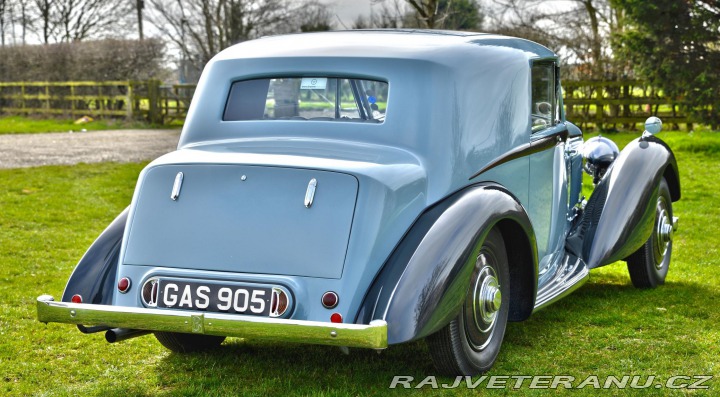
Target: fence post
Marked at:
22, 98
47, 96
129, 101
72, 100
154, 115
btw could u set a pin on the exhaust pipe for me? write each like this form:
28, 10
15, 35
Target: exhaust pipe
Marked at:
121, 334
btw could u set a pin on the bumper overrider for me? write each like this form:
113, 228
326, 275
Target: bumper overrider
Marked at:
372, 336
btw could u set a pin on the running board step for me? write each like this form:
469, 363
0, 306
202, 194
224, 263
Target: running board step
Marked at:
570, 275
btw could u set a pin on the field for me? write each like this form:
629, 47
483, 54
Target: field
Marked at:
30, 125
50, 215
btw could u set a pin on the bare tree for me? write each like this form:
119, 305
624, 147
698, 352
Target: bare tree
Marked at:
580, 32
429, 14
22, 18
46, 16
427, 11
82, 19
4, 11
139, 6
313, 16
200, 29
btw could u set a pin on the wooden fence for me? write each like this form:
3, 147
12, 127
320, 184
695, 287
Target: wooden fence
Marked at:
609, 104
603, 104
149, 100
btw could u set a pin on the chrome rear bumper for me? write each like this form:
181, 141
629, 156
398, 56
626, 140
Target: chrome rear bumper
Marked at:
372, 336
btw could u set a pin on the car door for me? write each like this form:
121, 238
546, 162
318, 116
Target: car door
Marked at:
549, 183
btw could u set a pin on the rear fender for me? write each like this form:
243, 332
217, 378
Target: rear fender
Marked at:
620, 214
424, 282
94, 276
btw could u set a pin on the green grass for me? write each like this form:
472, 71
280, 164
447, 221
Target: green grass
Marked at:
30, 125
50, 215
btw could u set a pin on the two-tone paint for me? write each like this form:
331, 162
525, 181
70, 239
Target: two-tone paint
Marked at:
397, 208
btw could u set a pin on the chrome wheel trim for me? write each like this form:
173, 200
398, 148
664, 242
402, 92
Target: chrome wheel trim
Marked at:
663, 233
483, 302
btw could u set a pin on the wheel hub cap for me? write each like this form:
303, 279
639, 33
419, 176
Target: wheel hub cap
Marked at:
665, 229
491, 296
663, 232
486, 301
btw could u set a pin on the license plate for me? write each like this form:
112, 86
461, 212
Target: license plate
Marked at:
225, 298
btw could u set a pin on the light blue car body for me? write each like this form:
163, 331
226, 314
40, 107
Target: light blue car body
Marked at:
456, 102
398, 205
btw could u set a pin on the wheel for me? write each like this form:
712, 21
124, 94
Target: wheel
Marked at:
648, 266
470, 343
188, 343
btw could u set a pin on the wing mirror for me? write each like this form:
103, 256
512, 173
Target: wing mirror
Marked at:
598, 154
653, 125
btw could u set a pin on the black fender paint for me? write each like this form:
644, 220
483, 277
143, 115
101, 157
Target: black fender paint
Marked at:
620, 213
423, 284
94, 276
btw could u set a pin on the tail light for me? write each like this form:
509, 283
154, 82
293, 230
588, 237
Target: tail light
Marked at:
150, 292
336, 318
278, 302
330, 299
124, 285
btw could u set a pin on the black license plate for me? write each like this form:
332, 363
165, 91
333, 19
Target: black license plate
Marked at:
225, 298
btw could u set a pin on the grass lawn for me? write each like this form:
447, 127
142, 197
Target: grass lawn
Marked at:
30, 125
50, 215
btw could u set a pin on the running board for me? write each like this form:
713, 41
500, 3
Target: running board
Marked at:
570, 275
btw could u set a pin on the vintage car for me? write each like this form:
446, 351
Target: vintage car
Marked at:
369, 188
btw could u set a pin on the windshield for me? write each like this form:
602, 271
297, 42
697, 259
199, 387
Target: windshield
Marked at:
307, 98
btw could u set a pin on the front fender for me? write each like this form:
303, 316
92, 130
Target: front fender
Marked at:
620, 214
424, 282
94, 276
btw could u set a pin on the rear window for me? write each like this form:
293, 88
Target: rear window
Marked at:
307, 98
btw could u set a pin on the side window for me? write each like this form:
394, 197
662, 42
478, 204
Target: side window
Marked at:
543, 96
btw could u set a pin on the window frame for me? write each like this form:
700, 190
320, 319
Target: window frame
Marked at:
363, 106
555, 116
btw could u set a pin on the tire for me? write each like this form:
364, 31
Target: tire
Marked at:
649, 265
470, 343
188, 343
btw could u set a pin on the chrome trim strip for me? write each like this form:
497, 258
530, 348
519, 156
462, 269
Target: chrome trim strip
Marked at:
310, 193
373, 336
537, 144
177, 186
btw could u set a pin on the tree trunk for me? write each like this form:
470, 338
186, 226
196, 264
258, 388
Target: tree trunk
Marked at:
597, 67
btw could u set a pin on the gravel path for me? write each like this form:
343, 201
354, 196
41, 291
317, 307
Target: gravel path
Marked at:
31, 150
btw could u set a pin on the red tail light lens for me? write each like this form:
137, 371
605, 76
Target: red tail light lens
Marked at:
124, 285
336, 318
76, 299
330, 299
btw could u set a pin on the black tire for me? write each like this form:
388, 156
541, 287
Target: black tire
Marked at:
188, 343
469, 344
649, 265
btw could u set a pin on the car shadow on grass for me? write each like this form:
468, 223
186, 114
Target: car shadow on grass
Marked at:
251, 367
553, 340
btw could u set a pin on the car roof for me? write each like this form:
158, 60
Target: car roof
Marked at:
382, 43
